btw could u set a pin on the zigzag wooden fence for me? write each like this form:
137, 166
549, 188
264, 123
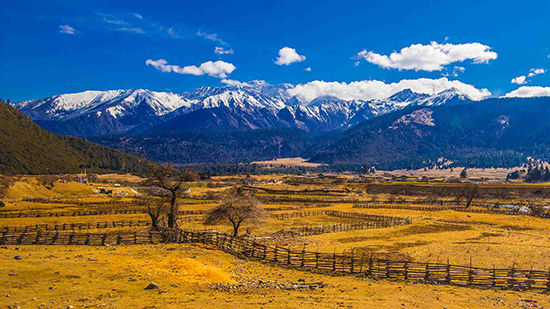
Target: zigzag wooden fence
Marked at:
330, 263
486, 210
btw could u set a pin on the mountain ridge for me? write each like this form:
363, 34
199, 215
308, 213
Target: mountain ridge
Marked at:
258, 105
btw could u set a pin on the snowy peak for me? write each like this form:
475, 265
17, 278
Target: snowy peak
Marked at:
406, 95
451, 95
114, 102
254, 104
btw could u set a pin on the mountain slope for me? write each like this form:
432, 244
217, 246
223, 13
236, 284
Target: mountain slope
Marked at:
493, 132
26, 148
214, 147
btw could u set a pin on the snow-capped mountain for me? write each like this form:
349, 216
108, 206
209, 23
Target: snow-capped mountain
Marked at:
254, 105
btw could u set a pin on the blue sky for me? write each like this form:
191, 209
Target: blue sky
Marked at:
53, 47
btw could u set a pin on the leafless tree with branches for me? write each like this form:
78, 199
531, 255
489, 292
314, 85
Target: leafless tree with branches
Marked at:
470, 192
156, 209
237, 209
173, 181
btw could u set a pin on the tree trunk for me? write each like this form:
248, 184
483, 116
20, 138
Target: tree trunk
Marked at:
173, 214
236, 228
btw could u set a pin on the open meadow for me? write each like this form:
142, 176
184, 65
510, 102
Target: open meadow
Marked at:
324, 241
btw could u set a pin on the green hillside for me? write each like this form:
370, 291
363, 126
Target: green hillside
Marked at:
26, 148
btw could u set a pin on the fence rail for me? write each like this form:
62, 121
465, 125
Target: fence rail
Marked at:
75, 226
89, 213
330, 263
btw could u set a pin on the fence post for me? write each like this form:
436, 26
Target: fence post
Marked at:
334, 261
529, 276
317, 263
351, 266
470, 273
406, 267
427, 273
493, 277
448, 276
512, 273
288, 256
303, 255
370, 266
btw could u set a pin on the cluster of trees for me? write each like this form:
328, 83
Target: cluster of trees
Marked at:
171, 183
538, 173
236, 208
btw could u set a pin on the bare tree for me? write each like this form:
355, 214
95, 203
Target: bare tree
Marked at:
458, 192
48, 181
471, 191
237, 209
156, 210
172, 181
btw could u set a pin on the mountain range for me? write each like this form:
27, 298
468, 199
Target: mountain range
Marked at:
260, 121
257, 105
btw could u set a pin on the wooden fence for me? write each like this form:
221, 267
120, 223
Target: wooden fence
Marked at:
329, 263
486, 210
75, 226
89, 213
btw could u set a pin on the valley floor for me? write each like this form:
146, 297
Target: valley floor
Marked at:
115, 277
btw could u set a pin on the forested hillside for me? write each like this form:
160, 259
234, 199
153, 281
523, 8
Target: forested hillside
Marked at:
25, 148
489, 133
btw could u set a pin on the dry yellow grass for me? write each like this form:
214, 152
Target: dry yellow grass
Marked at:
58, 276
115, 277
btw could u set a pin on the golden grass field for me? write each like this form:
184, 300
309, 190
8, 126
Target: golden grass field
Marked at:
187, 274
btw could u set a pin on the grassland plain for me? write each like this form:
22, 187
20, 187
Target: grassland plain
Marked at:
197, 276
115, 277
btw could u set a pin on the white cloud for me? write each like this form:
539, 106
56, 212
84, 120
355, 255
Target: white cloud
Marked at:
132, 29
529, 91
432, 57
138, 16
218, 69
288, 55
211, 37
308, 69
456, 69
520, 80
171, 32
222, 51
232, 82
66, 29
110, 19
375, 89
534, 72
